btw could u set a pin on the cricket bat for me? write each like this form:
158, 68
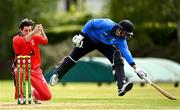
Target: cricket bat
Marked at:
162, 91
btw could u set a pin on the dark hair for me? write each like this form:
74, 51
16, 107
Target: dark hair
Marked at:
26, 22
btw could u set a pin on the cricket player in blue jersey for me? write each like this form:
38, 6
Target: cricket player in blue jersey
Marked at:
110, 39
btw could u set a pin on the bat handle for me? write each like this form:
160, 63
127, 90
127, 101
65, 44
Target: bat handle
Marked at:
147, 80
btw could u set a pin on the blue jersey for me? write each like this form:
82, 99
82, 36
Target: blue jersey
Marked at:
103, 30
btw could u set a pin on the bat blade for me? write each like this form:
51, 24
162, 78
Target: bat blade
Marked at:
162, 91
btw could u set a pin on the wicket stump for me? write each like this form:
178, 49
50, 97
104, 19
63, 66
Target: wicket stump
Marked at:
25, 60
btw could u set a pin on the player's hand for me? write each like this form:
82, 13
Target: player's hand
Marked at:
40, 27
140, 72
37, 28
78, 41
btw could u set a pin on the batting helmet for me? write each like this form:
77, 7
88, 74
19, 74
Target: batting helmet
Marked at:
127, 26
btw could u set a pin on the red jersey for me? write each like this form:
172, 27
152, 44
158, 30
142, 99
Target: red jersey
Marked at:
22, 47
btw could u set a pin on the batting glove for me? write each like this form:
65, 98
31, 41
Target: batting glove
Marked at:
140, 72
78, 41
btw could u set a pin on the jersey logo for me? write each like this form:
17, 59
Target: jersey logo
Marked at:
32, 42
105, 34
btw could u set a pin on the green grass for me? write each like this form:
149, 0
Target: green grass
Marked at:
89, 96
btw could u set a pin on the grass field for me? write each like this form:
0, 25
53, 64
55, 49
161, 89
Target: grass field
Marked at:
88, 96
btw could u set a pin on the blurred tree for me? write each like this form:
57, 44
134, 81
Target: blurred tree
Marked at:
6, 15
11, 12
70, 3
145, 11
176, 4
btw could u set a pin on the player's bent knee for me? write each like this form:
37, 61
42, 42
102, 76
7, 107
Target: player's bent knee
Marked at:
47, 97
117, 57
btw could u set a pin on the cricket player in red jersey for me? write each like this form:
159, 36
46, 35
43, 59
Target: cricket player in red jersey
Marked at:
26, 42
